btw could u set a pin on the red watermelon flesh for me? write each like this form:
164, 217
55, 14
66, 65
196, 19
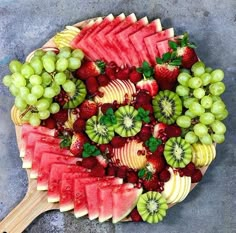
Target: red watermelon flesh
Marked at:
47, 160
105, 200
123, 202
163, 46
80, 200
99, 38
41, 147
67, 189
124, 45
55, 177
151, 42
109, 37
92, 195
94, 51
30, 142
137, 38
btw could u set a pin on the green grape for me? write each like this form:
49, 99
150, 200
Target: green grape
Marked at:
217, 107
46, 78
194, 82
43, 115
29, 86
31, 99
196, 109
42, 104
49, 92
188, 101
15, 66
37, 65
221, 116
27, 70
39, 53
34, 119
56, 88
199, 93
69, 86
24, 92
26, 116
206, 79
64, 52
51, 53
217, 75
78, 53
183, 79
183, 70
218, 127
54, 108
207, 118
35, 79
206, 102
216, 98
208, 69
60, 78
198, 68
190, 114
218, 138
217, 88
37, 90
206, 139
191, 137
14, 90
74, 63
62, 64
18, 80
182, 90
20, 103
183, 121
49, 64
200, 129
7, 80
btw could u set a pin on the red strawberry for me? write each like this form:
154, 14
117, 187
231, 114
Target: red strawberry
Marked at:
77, 144
49, 123
173, 131
159, 129
98, 171
89, 162
164, 175
197, 176
111, 171
92, 85
151, 184
135, 76
90, 69
132, 177
79, 125
103, 80
135, 216
118, 141
149, 85
104, 107
88, 109
143, 98
121, 172
123, 74
106, 148
110, 72
159, 151
145, 133
101, 160
155, 163
61, 116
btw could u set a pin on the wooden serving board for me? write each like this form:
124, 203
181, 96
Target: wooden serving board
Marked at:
35, 202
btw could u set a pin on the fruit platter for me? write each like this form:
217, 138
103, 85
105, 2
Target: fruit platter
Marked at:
117, 118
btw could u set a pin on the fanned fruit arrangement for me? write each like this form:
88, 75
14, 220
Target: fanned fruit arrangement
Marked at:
119, 118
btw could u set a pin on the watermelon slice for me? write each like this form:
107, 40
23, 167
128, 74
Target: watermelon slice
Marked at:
67, 189
30, 142
105, 200
55, 177
124, 45
137, 38
92, 195
151, 43
47, 160
80, 200
41, 147
123, 202
163, 46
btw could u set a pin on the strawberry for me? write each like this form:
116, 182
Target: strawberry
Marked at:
98, 171
110, 72
90, 69
135, 216
155, 163
173, 131
79, 125
61, 116
151, 184
92, 85
145, 133
132, 177
159, 151
196, 176
89, 162
118, 142
78, 141
104, 107
123, 74
106, 148
49, 123
159, 130
88, 109
143, 98
121, 172
103, 80
135, 76
111, 171
164, 175
101, 160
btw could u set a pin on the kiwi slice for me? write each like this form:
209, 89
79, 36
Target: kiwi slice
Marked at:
97, 132
177, 152
152, 207
127, 125
78, 96
167, 106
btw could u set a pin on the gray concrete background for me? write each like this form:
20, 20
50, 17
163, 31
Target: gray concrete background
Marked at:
26, 24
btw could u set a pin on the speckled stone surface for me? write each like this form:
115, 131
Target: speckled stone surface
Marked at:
26, 24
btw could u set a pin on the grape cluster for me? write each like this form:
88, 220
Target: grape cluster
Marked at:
205, 110
36, 82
